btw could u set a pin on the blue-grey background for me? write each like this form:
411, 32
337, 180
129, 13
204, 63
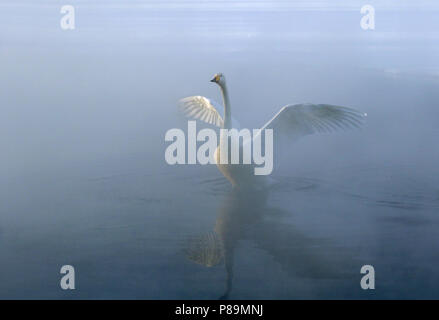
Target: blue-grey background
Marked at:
83, 180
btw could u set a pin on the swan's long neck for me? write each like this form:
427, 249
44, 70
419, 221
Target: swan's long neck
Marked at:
227, 111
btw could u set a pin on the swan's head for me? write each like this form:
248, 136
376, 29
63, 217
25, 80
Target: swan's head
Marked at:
219, 79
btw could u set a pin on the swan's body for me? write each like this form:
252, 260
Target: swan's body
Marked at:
289, 124
239, 174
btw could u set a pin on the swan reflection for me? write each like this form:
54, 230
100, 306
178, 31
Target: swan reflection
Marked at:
246, 215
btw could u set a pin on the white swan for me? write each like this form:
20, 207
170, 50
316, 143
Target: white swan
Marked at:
289, 124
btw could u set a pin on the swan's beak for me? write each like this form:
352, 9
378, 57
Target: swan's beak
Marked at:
213, 80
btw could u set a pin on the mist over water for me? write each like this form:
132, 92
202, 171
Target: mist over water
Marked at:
84, 180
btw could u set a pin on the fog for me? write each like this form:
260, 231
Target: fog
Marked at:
84, 180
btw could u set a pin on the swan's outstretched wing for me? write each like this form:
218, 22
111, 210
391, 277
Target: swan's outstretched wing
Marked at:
199, 107
295, 121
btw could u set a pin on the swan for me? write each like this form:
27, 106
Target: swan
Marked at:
290, 123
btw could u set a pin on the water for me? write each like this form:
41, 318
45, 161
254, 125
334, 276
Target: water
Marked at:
84, 180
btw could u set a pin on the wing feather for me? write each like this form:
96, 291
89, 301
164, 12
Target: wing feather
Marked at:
198, 107
295, 121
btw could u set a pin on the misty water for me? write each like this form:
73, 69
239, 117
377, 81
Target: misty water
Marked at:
84, 180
